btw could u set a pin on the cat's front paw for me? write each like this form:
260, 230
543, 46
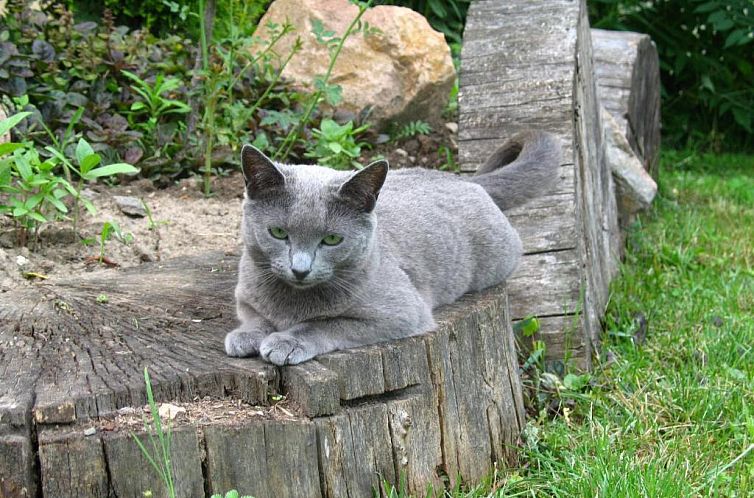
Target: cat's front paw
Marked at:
284, 349
242, 343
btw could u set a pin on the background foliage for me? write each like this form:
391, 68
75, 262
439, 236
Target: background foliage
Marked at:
706, 63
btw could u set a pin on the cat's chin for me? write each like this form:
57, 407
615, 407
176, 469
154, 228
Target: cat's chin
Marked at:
301, 285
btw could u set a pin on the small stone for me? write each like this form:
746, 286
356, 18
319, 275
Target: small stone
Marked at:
382, 138
91, 431
130, 206
452, 127
401, 152
126, 410
21, 261
412, 159
170, 412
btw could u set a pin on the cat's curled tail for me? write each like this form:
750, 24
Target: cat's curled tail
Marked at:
524, 167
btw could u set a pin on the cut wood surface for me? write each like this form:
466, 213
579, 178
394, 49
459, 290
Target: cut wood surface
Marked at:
529, 65
627, 69
431, 408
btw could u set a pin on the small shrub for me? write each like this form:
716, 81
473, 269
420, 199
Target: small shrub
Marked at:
35, 192
706, 67
336, 145
412, 129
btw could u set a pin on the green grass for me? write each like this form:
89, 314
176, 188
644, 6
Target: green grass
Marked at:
674, 416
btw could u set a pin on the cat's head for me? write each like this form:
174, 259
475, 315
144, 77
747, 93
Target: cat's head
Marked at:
309, 225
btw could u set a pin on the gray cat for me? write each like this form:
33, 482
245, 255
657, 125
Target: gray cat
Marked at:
325, 266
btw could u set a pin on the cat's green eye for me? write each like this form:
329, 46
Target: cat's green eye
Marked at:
332, 240
278, 233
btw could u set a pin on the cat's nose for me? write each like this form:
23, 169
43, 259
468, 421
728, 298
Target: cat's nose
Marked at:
301, 264
300, 274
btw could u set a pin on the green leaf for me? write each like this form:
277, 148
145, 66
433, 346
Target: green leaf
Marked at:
22, 166
37, 217
707, 7
136, 106
261, 142
111, 169
88, 205
9, 147
333, 94
8, 123
743, 118
735, 36
89, 162
527, 327
83, 149
576, 382
56, 203
707, 83
335, 147
20, 211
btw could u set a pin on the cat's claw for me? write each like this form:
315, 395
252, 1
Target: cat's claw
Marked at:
284, 349
242, 343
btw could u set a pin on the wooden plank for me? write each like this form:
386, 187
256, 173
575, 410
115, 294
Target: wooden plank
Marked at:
404, 363
354, 451
359, 371
131, 474
72, 465
546, 224
416, 441
237, 459
312, 388
291, 457
475, 375
628, 80
16, 471
545, 284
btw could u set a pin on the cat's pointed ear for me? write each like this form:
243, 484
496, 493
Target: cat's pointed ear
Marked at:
259, 171
363, 188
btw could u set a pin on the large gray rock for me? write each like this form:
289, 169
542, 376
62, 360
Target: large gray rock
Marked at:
405, 72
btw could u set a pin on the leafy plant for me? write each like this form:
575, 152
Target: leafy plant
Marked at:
706, 68
324, 90
34, 189
88, 170
34, 193
412, 129
109, 230
449, 162
336, 145
155, 101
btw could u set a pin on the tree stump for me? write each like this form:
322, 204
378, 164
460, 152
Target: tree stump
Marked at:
428, 409
529, 65
628, 84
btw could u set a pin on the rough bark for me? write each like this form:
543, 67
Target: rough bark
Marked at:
444, 404
627, 69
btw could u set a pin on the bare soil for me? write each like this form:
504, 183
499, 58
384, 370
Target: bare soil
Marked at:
184, 221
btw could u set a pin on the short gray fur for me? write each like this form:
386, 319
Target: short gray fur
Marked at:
418, 248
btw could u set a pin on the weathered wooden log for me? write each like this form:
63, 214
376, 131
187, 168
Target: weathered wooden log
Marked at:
628, 85
529, 65
444, 405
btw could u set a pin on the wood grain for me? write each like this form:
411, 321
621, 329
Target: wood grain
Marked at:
447, 403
